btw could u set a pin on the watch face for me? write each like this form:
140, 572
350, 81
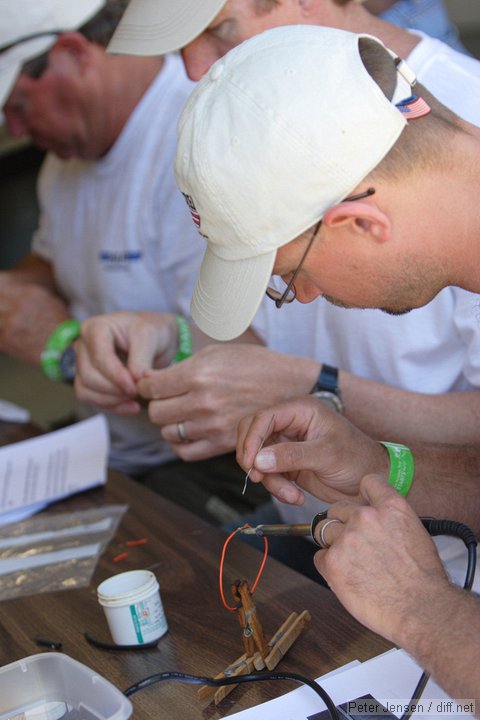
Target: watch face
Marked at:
330, 399
67, 364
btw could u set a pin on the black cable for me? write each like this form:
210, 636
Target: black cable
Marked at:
252, 677
459, 530
113, 646
453, 529
433, 527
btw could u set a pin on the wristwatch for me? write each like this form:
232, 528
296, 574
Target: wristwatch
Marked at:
67, 364
326, 388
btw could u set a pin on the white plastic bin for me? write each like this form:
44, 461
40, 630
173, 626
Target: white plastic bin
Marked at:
53, 686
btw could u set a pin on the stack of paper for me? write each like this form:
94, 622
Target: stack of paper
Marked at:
390, 679
36, 472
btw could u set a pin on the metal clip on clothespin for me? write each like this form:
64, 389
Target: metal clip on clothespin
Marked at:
258, 653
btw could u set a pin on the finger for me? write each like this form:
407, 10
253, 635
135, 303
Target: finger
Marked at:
167, 382
327, 531
100, 367
288, 457
169, 411
141, 357
252, 433
91, 386
297, 420
112, 402
376, 491
143, 351
342, 510
284, 490
319, 560
191, 451
171, 433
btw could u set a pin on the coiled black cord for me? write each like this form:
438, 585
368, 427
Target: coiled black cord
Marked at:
454, 529
459, 530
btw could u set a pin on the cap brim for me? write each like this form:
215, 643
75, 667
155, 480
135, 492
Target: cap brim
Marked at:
7, 81
12, 61
228, 293
156, 27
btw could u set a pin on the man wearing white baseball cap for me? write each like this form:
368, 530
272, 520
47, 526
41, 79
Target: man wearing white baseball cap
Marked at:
389, 376
207, 28
114, 232
261, 158
380, 364
335, 180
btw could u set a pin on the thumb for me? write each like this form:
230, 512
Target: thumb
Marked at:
287, 457
375, 491
141, 356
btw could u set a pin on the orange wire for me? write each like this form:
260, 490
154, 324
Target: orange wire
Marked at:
222, 562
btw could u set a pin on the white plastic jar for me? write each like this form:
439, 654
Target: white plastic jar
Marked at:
133, 608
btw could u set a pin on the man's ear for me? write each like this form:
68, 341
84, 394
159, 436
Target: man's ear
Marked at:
359, 218
73, 45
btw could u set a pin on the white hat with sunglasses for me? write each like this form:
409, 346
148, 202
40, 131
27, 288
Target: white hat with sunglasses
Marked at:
282, 128
29, 28
155, 27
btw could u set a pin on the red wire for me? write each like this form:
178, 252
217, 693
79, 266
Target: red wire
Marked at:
222, 562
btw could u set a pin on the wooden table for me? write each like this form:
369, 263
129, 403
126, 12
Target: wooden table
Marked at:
203, 637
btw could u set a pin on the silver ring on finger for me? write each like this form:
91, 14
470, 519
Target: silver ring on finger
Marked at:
181, 432
323, 543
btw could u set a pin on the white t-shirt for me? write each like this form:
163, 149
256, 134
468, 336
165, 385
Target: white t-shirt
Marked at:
434, 349
120, 237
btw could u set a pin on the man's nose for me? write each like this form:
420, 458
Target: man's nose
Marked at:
306, 291
198, 58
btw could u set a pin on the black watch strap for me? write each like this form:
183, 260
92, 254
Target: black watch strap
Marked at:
327, 380
326, 388
68, 363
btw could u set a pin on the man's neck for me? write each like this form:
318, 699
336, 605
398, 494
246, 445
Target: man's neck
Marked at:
355, 18
130, 80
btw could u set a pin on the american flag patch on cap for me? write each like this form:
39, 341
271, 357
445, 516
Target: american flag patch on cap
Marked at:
414, 107
193, 210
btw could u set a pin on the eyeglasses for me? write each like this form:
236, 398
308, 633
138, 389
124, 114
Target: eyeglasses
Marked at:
37, 65
281, 292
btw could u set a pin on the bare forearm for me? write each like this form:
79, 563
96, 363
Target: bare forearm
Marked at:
390, 413
443, 637
28, 315
31, 269
447, 483
200, 340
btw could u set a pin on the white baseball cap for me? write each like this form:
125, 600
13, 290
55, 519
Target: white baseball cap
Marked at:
29, 28
155, 27
282, 128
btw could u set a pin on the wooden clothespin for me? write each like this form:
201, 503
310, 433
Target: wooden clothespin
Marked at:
252, 631
258, 653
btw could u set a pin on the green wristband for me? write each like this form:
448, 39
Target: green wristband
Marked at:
184, 340
60, 339
402, 467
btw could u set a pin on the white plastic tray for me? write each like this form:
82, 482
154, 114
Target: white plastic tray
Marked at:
53, 686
